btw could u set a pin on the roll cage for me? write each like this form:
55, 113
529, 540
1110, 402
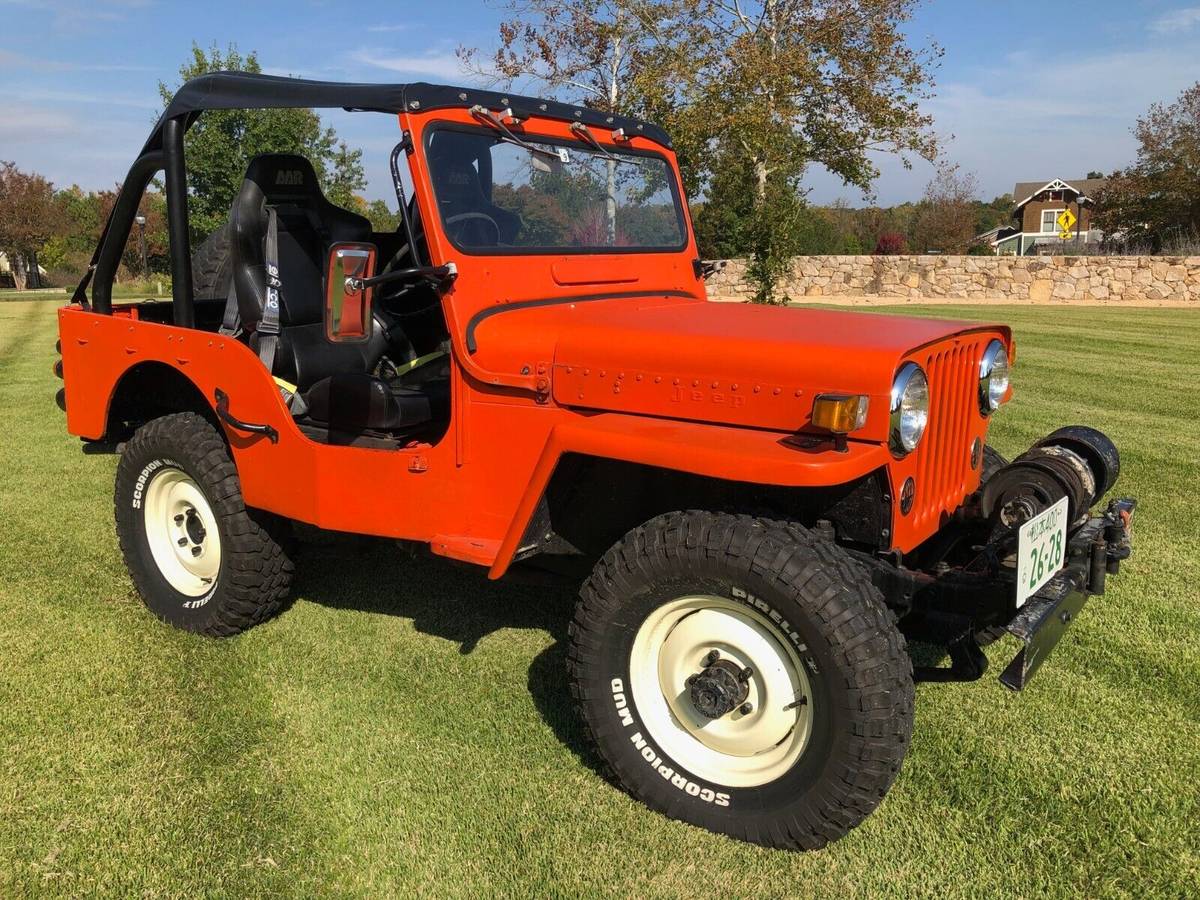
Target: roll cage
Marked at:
163, 151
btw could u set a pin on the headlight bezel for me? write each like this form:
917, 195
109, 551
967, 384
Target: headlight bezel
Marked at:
990, 399
910, 382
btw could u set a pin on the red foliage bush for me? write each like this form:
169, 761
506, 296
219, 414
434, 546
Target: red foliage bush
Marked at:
891, 244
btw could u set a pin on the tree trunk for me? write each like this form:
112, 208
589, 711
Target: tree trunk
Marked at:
35, 276
16, 262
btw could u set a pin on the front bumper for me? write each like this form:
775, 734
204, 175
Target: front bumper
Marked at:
1095, 550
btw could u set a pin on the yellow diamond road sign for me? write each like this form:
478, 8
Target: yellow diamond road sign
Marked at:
1065, 221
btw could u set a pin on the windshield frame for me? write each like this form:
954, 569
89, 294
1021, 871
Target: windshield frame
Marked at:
683, 218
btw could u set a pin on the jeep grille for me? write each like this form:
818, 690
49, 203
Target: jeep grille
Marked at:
943, 463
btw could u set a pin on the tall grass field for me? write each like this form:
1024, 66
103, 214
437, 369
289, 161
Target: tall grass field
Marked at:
404, 728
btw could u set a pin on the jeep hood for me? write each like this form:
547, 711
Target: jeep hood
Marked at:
739, 364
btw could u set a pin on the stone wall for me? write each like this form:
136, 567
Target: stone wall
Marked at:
1028, 279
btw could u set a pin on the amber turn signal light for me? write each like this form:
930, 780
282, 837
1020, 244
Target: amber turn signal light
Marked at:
840, 413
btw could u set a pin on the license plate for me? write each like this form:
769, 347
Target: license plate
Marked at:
1041, 550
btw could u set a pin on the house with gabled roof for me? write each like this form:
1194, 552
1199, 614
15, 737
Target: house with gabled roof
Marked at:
1036, 220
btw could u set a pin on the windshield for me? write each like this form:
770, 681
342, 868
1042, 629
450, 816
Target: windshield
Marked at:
497, 197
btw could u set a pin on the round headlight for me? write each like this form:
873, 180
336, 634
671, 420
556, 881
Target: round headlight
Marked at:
910, 408
993, 377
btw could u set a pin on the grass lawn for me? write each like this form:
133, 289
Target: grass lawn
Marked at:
60, 295
405, 726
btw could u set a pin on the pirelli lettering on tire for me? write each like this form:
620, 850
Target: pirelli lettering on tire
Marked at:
780, 622
648, 753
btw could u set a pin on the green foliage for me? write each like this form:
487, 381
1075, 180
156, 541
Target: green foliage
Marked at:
769, 87
222, 142
381, 216
1157, 199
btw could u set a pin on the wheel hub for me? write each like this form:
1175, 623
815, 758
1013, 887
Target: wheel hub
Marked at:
721, 688
180, 530
194, 527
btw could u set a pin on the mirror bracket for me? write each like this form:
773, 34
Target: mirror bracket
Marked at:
349, 292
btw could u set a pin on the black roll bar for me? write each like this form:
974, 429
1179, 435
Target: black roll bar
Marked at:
177, 223
116, 231
405, 144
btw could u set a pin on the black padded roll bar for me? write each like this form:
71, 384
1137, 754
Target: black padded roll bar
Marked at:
177, 223
116, 231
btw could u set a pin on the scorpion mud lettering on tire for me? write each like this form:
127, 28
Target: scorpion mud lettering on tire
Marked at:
198, 557
798, 723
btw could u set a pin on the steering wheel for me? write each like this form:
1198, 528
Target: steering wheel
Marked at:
480, 223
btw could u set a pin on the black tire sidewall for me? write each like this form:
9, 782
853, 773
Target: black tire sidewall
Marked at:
134, 475
662, 781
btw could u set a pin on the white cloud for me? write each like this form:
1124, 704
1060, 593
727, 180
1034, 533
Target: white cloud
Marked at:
383, 29
1177, 20
1056, 117
439, 65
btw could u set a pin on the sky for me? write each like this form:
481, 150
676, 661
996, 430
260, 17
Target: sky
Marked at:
1027, 90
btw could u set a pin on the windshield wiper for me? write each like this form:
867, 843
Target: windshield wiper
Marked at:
492, 119
582, 130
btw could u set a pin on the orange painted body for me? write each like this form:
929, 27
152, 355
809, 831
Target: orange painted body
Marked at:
638, 367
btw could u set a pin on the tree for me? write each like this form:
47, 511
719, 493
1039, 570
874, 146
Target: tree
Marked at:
344, 176
946, 219
28, 218
1157, 199
220, 145
765, 86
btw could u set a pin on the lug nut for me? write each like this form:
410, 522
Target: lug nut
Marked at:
182, 542
196, 551
746, 709
746, 674
179, 519
713, 656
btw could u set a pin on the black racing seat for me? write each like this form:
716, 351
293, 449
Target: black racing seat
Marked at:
460, 165
333, 378
307, 224
354, 402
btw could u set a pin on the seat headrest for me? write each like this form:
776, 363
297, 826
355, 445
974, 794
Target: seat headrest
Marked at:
284, 176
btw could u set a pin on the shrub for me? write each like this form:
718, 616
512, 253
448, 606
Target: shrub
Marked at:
891, 244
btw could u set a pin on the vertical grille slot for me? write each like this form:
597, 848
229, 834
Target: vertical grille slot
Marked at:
944, 461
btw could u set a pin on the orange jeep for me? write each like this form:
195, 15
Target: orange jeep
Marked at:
762, 504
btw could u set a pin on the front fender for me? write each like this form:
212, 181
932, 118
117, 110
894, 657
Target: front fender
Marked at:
731, 454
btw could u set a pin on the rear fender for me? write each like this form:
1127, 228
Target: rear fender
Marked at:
99, 351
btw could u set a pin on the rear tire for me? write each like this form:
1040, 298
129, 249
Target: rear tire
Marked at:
818, 735
200, 559
211, 267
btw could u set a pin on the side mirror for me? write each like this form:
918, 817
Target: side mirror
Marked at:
347, 299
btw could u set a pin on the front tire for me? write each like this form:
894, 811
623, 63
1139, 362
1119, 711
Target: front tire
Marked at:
200, 559
792, 753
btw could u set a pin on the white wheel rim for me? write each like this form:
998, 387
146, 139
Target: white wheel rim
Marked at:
737, 749
182, 532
